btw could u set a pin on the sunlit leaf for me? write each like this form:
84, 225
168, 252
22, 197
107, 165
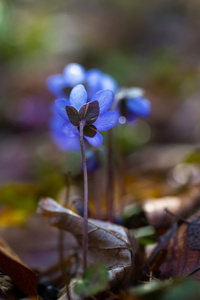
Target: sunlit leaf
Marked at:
145, 235
193, 157
13, 217
152, 287
20, 196
171, 289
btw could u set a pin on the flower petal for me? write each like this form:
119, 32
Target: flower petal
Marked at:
65, 143
96, 141
60, 105
106, 121
78, 96
69, 129
105, 99
94, 82
55, 84
140, 106
108, 82
74, 74
97, 80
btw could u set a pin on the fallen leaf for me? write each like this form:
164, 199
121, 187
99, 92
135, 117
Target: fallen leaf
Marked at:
40, 251
108, 244
24, 278
182, 205
178, 254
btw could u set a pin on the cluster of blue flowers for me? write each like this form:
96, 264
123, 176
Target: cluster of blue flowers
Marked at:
86, 96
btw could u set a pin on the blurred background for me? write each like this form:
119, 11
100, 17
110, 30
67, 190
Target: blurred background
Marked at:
154, 45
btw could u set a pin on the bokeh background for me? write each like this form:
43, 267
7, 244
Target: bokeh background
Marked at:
150, 44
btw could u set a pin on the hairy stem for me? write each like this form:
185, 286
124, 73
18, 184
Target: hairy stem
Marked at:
85, 215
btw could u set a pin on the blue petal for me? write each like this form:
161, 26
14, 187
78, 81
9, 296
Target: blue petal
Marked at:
106, 121
70, 130
131, 117
140, 106
108, 82
60, 105
105, 99
55, 84
94, 81
74, 74
96, 141
59, 138
65, 143
78, 96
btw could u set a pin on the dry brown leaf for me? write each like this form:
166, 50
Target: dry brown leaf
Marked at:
178, 254
108, 244
22, 276
182, 205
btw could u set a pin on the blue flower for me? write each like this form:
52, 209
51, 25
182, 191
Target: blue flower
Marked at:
61, 84
93, 114
94, 80
130, 104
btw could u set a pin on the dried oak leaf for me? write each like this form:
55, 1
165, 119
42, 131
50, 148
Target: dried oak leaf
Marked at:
108, 244
178, 253
24, 278
183, 205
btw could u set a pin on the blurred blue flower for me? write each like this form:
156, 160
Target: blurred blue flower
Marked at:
130, 104
60, 85
93, 160
93, 114
94, 80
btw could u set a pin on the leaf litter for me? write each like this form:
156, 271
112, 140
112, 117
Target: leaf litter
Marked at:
176, 253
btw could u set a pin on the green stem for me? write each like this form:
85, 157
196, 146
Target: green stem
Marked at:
85, 215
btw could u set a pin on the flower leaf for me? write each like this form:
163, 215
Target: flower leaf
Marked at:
90, 130
89, 112
72, 115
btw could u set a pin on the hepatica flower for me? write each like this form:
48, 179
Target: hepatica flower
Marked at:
130, 104
60, 85
93, 115
73, 74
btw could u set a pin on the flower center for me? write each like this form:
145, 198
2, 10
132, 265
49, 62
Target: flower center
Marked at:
123, 108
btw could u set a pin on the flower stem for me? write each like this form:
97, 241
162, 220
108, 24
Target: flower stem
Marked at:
85, 215
110, 181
